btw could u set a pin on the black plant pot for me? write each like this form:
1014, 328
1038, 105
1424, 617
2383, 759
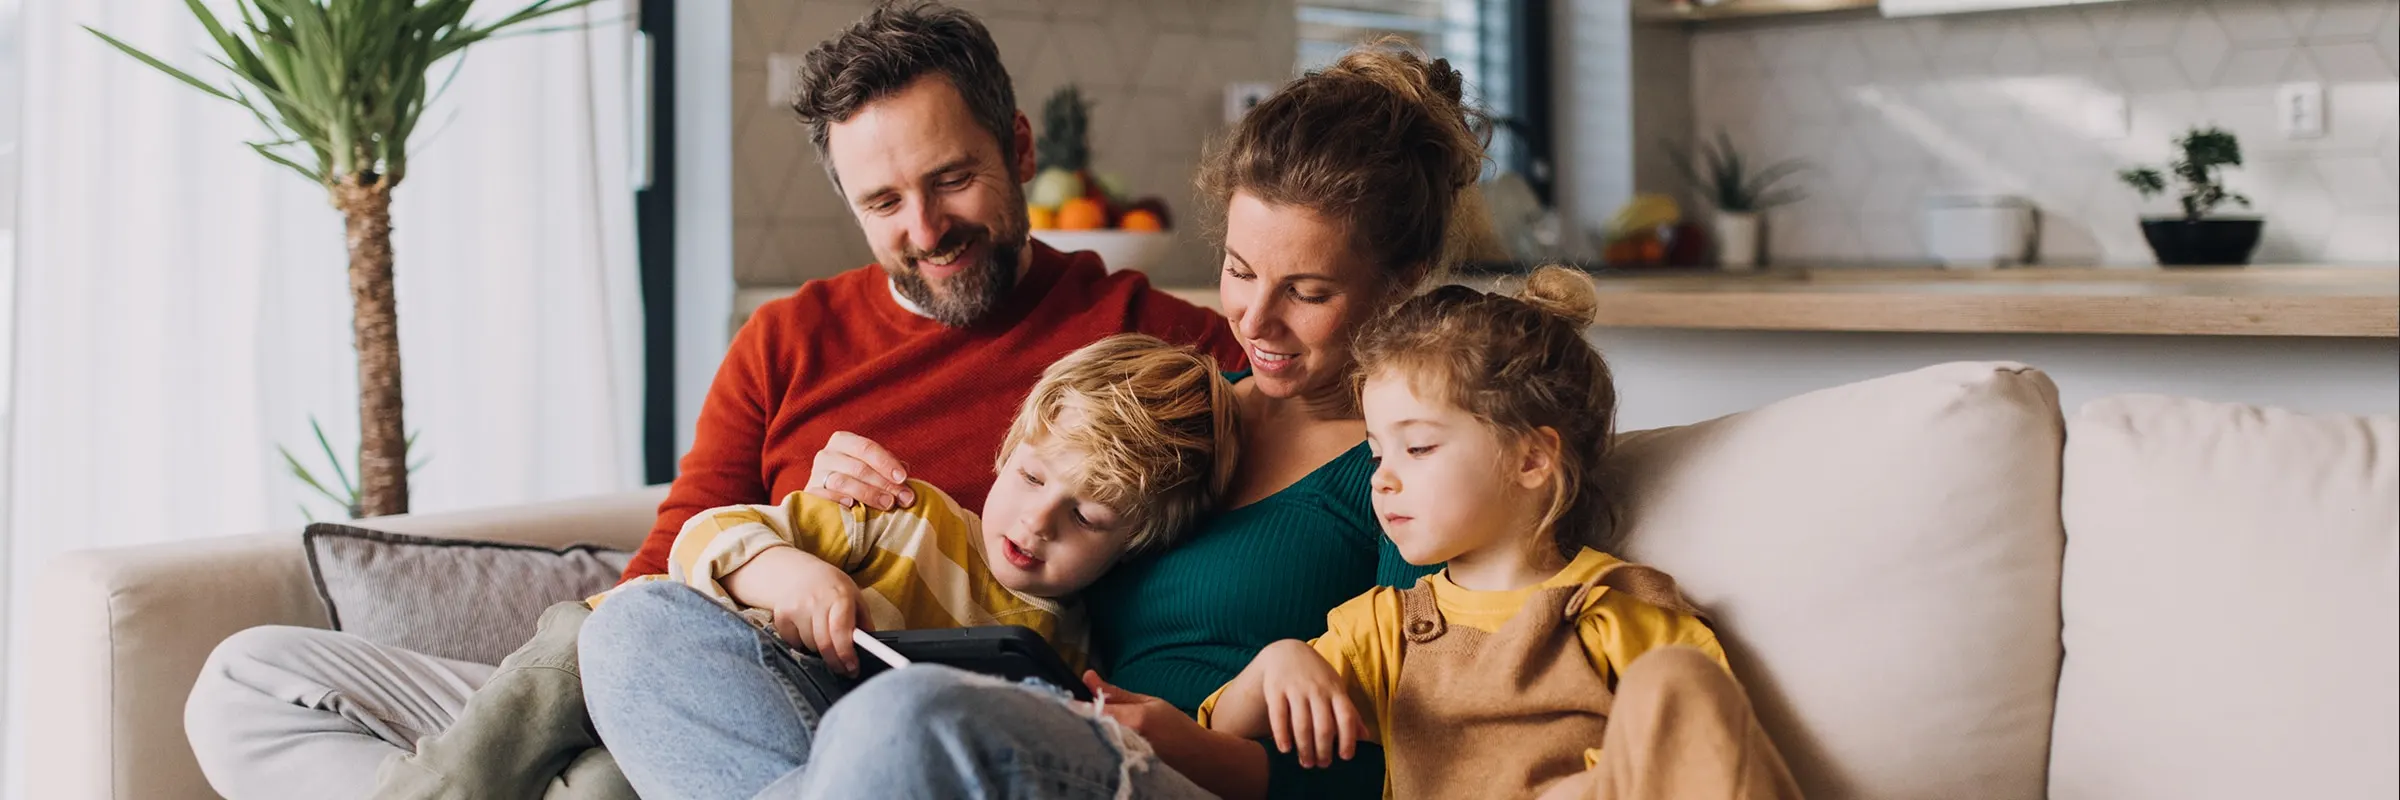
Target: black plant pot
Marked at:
2179, 242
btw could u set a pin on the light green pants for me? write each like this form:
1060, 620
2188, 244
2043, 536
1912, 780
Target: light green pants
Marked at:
523, 734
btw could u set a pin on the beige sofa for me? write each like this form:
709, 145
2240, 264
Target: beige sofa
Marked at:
1934, 584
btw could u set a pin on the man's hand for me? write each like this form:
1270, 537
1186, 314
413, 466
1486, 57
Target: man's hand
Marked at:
1308, 705
815, 604
853, 469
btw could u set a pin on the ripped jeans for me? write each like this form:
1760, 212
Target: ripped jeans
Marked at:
695, 702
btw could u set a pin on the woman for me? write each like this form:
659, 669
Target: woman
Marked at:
1339, 194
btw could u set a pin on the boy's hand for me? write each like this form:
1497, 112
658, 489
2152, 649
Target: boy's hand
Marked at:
1308, 705
815, 604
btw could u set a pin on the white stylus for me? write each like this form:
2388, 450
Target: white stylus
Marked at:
881, 650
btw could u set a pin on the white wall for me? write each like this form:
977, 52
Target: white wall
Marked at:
1678, 377
2048, 104
703, 204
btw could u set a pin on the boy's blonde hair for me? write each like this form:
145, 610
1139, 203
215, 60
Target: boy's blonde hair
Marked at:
1155, 433
1517, 364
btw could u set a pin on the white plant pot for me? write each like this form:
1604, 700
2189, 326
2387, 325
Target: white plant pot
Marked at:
1738, 240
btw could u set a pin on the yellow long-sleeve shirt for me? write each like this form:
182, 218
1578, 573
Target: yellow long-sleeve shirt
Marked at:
1363, 636
917, 567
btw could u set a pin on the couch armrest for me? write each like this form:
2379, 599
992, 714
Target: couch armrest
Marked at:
118, 635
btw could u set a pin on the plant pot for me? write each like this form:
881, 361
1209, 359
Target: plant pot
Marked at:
1738, 240
2179, 242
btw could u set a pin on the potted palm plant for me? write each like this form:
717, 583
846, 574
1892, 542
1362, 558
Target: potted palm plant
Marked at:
340, 86
1741, 197
2197, 239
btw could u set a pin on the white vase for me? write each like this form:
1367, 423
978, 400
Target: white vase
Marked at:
1738, 240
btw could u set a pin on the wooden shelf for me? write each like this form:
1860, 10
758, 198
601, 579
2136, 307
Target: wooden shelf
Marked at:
1665, 11
2356, 302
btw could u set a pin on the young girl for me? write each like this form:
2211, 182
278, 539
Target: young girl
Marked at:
1497, 677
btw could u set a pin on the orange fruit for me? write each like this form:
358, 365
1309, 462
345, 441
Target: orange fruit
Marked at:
1140, 220
1040, 218
1082, 214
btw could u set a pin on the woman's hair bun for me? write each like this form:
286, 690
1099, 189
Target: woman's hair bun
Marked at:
1564, 293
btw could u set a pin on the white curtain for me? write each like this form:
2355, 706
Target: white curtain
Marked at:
183, 306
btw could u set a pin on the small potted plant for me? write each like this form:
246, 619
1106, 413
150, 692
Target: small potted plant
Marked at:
2197, 239
1740, 196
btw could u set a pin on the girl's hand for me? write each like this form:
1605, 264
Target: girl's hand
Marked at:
853, 469
1227, 766
1308, 705
1146, 715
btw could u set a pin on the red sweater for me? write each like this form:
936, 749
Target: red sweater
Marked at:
842, 355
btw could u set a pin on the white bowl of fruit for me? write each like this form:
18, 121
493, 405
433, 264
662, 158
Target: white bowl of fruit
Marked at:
1072, 208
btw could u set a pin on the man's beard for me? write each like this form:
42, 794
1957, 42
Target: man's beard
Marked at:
976, 288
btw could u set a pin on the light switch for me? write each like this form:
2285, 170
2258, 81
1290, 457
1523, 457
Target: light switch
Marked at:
2300, 110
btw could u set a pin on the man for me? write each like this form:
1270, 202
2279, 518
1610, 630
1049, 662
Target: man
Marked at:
927, 353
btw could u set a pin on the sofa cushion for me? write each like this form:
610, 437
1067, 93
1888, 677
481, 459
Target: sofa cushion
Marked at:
2231, 603
1882, 562
455, 598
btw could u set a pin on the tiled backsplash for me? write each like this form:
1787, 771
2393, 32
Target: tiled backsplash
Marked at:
2036, 103
1156, 71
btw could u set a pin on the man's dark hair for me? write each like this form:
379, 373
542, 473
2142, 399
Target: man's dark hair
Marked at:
892, 47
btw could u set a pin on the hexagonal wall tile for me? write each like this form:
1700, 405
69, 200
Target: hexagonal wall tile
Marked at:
2151, 74
2254, 68
2344, 19
2017, 54
2256, 23
1890, 47
2356, 183
2367, 237
2387, 36
2350, 62
2064, 35
2149, 27
2201, 47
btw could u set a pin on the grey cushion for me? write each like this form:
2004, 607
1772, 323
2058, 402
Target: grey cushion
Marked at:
467, 600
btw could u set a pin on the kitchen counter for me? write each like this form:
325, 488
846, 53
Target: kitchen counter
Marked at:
2278, 300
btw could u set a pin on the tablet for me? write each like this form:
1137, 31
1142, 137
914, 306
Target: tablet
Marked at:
1010, 652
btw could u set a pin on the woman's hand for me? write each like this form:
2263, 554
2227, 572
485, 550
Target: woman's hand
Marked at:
1227, 766
1308, 704
853, 469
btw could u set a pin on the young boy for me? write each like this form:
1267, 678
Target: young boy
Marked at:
1119, 447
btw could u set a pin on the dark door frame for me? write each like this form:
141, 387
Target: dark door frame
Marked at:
654, 232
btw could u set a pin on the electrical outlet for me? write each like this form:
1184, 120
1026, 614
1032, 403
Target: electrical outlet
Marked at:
2300, 110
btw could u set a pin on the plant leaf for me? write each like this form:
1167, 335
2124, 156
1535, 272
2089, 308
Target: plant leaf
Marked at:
338, 472
311, 481
160, 65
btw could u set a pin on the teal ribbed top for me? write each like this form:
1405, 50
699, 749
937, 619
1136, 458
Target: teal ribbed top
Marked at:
1180, 623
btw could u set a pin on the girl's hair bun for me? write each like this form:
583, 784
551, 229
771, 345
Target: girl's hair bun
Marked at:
1564, 293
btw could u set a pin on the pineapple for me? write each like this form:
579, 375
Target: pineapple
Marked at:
1065, 142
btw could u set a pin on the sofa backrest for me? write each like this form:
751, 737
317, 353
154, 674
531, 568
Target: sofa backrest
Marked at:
1882, 561
2231, 603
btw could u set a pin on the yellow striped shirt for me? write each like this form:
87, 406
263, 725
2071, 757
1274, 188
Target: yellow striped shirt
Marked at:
916, 568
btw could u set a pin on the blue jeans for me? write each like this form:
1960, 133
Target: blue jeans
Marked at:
695, 702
